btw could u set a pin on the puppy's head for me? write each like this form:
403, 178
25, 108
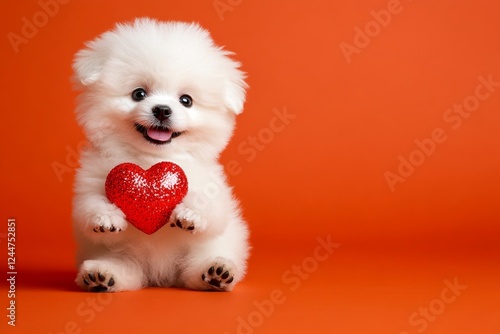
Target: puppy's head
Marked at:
158, 87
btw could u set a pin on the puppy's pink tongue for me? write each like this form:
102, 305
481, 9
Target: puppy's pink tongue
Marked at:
159, 134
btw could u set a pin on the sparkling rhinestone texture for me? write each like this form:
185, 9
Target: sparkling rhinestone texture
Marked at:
146, 197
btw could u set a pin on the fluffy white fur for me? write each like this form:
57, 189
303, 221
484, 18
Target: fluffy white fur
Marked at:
167, 60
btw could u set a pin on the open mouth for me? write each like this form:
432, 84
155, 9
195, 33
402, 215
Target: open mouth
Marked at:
158, 135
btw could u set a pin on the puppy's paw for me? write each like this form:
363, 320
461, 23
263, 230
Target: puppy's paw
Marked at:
220, 275
94, 279
187, 219
110, 275
98, 282
109, 219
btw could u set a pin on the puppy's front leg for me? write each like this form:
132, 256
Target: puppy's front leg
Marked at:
95, 214
199, 212
187, 219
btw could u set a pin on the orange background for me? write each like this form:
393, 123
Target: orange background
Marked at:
319, 174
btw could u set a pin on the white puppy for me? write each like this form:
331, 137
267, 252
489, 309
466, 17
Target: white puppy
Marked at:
153, 92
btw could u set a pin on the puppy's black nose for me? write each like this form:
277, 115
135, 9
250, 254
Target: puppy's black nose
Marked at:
162, 112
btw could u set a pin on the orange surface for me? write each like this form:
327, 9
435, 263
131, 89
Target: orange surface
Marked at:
368, 123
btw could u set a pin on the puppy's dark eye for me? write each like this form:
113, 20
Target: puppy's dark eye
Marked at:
186, 100
139, 94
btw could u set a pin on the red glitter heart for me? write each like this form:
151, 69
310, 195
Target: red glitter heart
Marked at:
146, 197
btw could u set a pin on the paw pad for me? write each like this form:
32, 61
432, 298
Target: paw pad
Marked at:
103, 229
98, 282
185, 225
218, 277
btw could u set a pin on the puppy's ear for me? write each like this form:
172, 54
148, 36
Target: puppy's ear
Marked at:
236, 92
88, 63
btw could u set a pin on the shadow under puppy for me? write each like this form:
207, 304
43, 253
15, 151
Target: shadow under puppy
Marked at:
151, 92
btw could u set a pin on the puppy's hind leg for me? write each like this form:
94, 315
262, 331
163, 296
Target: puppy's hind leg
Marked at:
218, 263
110, 274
